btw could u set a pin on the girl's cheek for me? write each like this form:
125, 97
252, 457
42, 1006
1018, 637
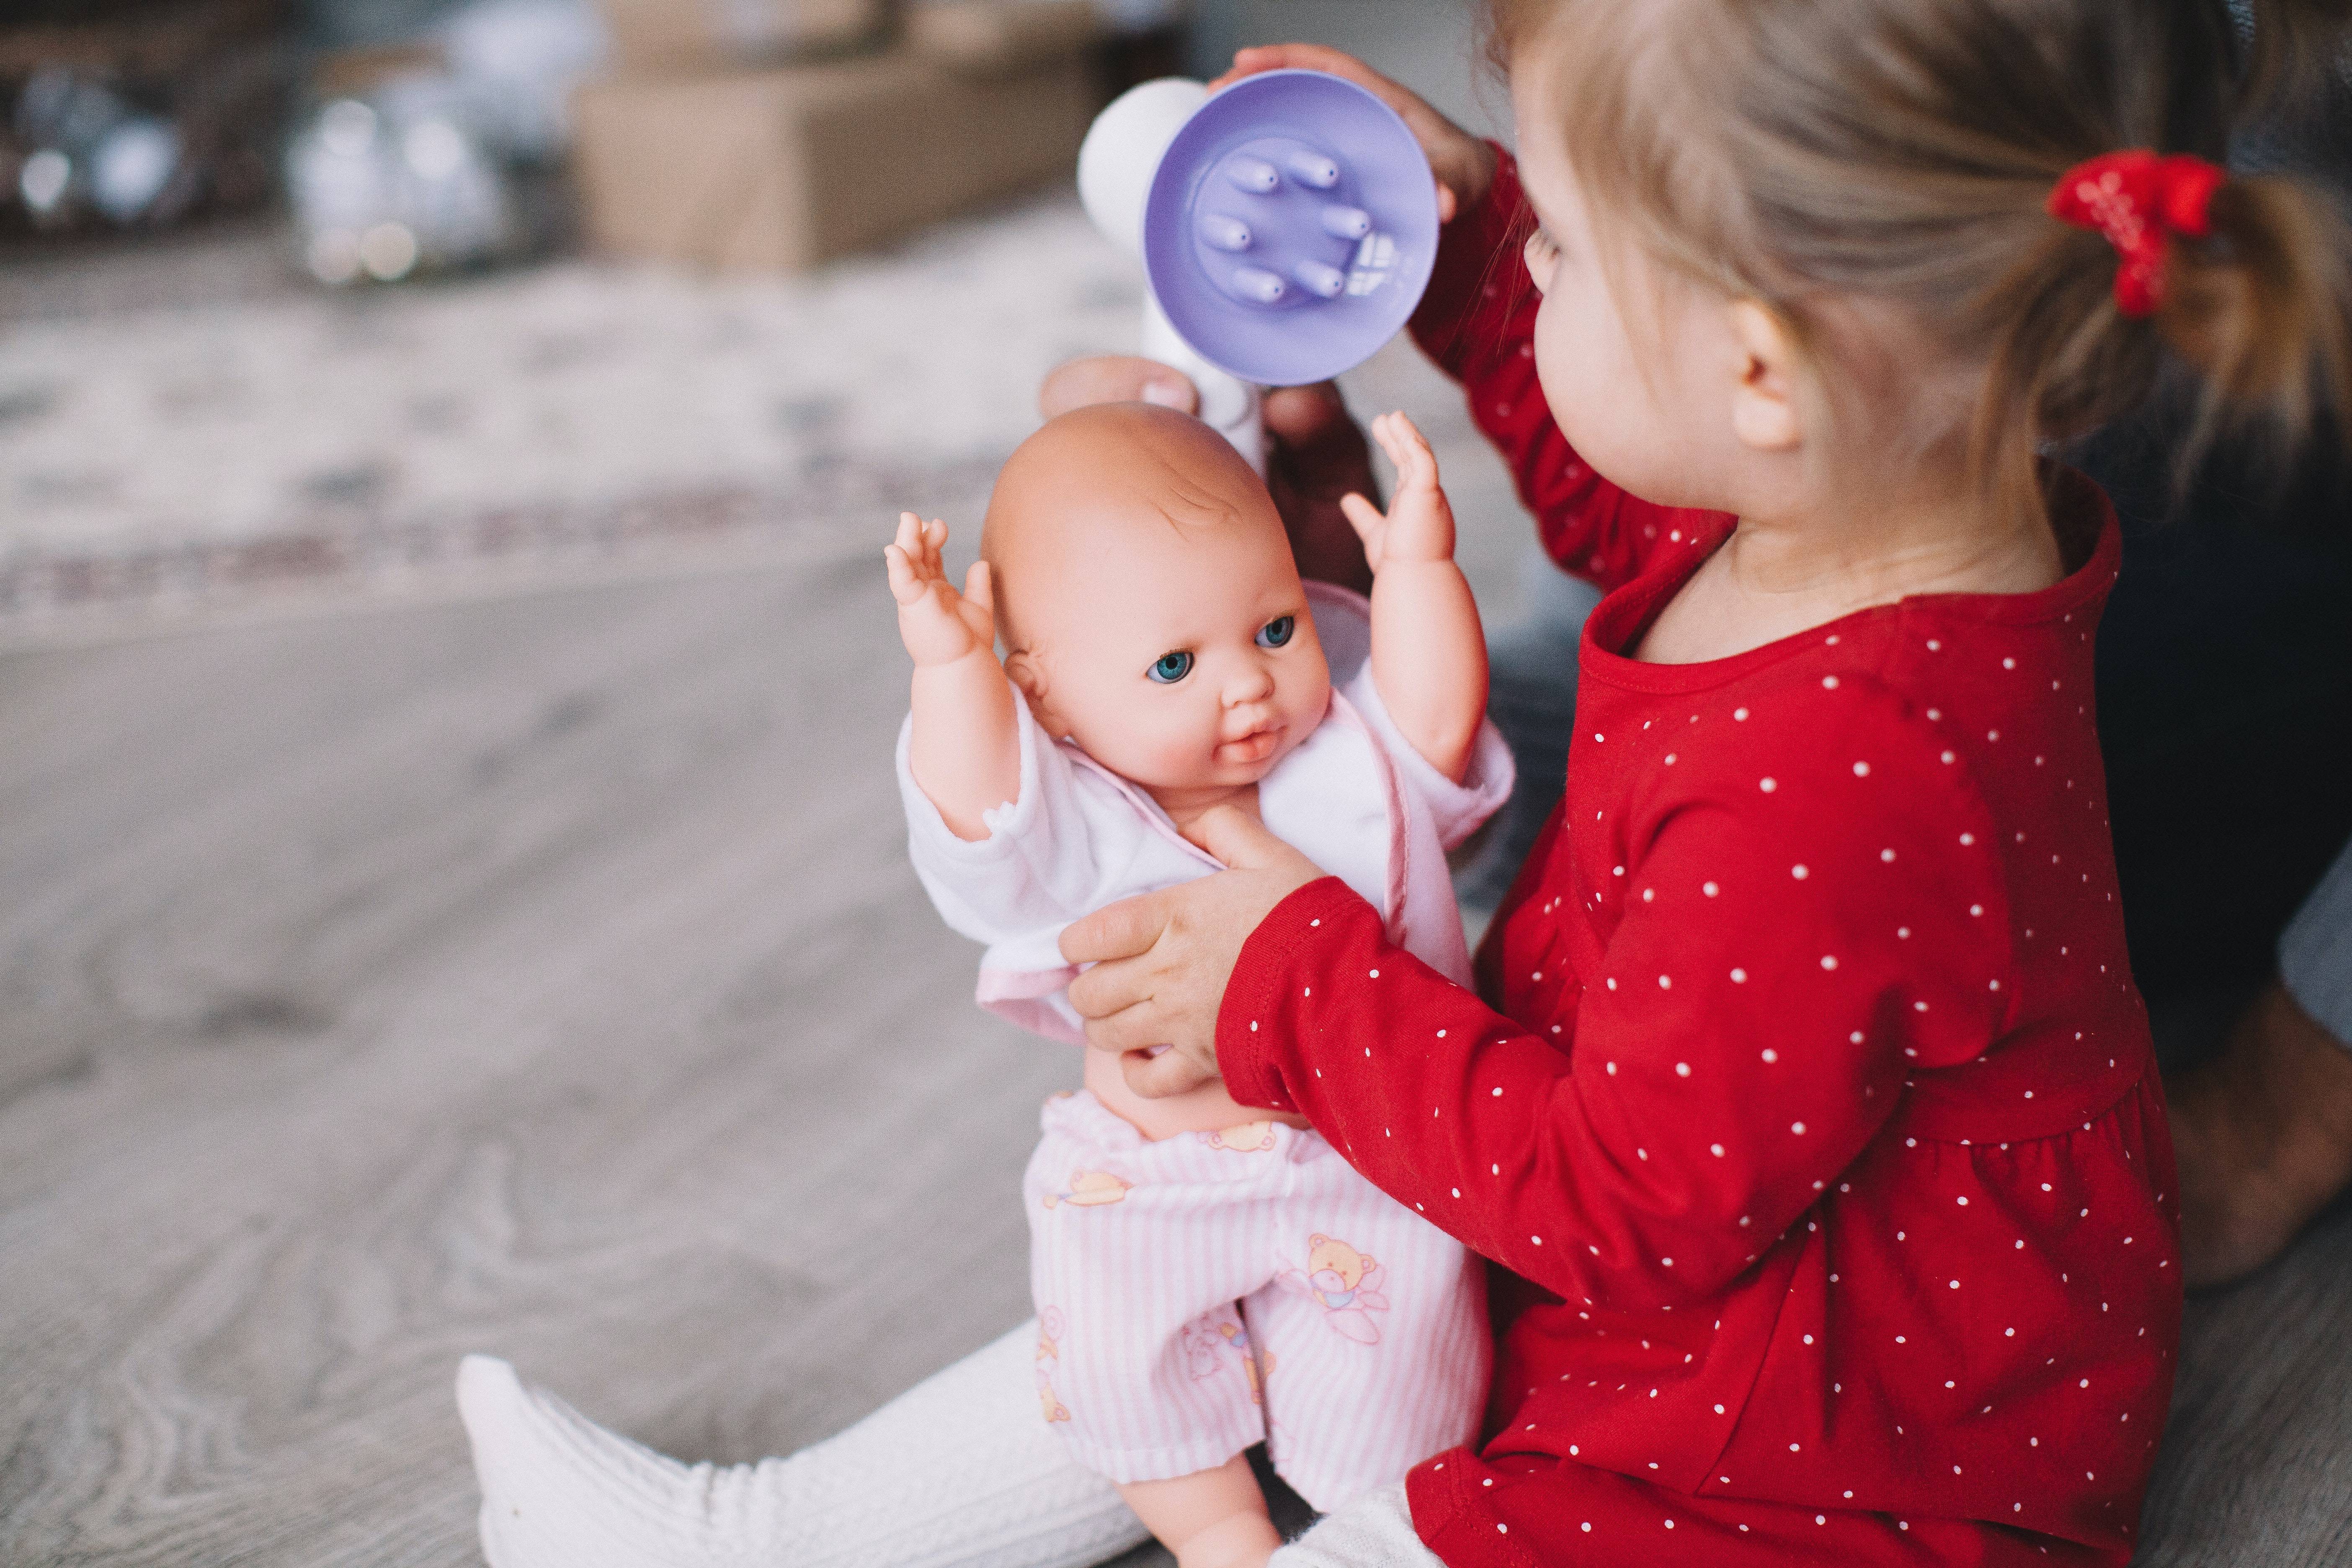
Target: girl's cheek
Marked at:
1560, 369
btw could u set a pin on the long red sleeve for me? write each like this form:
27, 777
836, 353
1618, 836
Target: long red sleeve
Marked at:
1739, 1040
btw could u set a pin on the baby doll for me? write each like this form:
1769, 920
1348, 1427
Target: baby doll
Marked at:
1210, 1276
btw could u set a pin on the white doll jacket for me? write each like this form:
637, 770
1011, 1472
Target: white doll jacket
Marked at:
1354, 797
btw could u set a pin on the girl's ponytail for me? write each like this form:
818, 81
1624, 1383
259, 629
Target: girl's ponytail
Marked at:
2245, 278
2262, 307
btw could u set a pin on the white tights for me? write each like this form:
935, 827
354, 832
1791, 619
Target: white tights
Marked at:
957, 1472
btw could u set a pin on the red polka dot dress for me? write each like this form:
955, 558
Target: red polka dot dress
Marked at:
1806, 1103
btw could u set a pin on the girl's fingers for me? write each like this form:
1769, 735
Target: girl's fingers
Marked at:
1462, 165
1318, 58
1169, 1072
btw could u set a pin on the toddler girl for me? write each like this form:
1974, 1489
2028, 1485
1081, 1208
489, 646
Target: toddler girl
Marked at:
1806, 1103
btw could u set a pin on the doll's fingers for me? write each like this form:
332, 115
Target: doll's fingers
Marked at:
1365, 517
1416, 465
1412, 445
910, 584
909, 537
904, 587
980, 587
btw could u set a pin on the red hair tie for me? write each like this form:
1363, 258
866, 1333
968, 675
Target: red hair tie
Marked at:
2138, 201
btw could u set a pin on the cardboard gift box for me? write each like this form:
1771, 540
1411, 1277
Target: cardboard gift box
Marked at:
785, 168
671, 34
1000, 35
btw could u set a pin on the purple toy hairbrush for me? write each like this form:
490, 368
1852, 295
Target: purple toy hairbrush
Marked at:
1290, 227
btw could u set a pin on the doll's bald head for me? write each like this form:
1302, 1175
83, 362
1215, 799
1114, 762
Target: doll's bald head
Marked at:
1148, 603
1102, 481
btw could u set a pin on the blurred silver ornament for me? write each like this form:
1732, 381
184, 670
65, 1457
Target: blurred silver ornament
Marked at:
400, 181
131, 166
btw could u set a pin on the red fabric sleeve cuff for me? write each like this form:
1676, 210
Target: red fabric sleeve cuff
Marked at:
1476, 254
1277, 962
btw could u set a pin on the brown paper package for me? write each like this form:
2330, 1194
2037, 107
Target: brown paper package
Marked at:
785, 168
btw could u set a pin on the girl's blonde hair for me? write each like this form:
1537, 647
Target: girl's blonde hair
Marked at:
1904, 149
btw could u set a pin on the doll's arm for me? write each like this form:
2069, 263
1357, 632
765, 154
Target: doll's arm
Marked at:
965, 751
1429, 652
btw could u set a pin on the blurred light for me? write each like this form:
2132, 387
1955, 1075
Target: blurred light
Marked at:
388, 250
346, 127
521, 60
43, 180
334, 256
434, 149
132, 166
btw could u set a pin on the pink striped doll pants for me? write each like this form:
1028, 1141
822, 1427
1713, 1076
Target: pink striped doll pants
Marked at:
1202, 1293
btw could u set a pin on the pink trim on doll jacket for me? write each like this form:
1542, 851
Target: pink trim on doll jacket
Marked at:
1353, 796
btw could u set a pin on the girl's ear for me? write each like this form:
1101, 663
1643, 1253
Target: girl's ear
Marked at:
1764, 406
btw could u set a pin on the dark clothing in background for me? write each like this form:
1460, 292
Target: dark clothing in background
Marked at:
2225, 700
2225, 658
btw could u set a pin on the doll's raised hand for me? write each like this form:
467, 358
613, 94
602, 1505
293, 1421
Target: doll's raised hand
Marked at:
1419, 523
1429, 653
938, 625
964, 748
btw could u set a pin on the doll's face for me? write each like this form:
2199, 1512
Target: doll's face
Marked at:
1150, 603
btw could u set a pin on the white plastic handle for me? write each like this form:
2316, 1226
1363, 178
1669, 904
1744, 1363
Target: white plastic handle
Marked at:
1116, 165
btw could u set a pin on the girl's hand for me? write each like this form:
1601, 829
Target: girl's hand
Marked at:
1419, 525
1162, 961
938, 625
1465, 166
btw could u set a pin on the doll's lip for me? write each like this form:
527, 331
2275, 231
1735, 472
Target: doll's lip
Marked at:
1254, 747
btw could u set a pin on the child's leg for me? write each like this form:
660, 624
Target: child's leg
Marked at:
958, 1471
1374, 1532
1214, 1519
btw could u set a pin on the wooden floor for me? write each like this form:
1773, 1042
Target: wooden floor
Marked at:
546, 977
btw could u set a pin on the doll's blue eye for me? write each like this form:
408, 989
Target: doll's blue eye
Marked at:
1170, 668
1276, 632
